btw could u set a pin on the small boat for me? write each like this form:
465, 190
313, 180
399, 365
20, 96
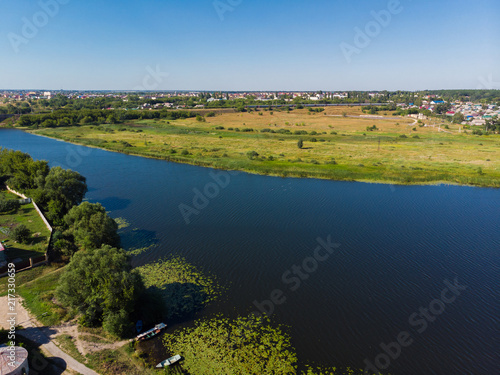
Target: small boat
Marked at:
169, 361
152, 332
138, 326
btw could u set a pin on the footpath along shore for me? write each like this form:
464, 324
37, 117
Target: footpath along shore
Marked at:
40, 335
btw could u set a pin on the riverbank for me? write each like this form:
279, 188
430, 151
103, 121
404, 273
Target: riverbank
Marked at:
381, 150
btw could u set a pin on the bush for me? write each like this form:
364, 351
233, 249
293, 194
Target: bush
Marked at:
21, 233
211, 114
252, 154
300, 143
200, 118
7, 205
185, 152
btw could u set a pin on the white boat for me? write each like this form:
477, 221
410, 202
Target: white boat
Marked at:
152, 332
169, 361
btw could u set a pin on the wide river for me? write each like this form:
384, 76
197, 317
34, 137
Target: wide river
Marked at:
398, 248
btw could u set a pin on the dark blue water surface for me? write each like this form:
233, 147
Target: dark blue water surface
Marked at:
398, 245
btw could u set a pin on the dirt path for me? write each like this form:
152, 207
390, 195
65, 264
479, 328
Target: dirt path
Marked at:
40, 335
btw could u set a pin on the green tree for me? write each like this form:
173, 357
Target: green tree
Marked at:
66, 187
8, 205
252, 155
458, 118
21, 233
91, 227
101, 285
300, 143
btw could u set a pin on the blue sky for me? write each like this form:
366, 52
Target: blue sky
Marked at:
251, 45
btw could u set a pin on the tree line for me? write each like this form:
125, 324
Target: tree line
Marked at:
93, 116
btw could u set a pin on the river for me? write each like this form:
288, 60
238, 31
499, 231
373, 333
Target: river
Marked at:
396, 250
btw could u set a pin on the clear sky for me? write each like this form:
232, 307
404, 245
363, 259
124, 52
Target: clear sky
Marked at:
249, 45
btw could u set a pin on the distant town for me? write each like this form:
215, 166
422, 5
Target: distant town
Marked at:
467, 107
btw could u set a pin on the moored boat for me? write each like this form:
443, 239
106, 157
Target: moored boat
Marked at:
169, 361
152, 332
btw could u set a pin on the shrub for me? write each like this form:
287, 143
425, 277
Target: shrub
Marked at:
7, 205
252, 154
200, 118
211, 114
185, 152
300, 143
314, 140
21, 233
403, 136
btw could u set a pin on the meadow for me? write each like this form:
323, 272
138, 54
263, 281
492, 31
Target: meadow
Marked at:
339, 144
27, 215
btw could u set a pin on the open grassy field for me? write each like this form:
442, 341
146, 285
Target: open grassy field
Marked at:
336, 145
38, 295
28, 216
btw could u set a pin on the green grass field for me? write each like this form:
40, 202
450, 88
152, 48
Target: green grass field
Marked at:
28, 216
38, 296
335, 146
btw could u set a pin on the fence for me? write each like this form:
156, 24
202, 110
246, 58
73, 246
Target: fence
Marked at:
32, 262
46, 222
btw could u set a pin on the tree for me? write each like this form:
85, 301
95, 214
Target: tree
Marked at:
8, 205
21, 233
252, 155
91, 227
101, 285
66, 187
300, 143
458, 118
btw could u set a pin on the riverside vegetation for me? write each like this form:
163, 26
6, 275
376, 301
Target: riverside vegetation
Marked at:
339, 143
